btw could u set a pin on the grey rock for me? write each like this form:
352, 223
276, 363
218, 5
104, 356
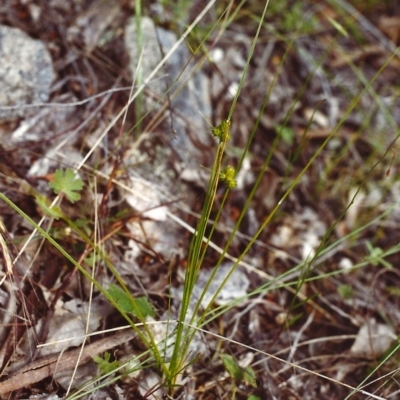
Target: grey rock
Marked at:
188, 88
157, 160
26, 73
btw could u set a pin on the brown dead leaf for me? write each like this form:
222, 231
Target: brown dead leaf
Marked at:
390, 26
342, 59
319, 133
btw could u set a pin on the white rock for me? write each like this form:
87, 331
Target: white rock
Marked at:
372, 340
235, 287
151, 386
144, 198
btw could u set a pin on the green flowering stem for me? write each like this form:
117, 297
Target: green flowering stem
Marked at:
228, 176
197, 251
222, 131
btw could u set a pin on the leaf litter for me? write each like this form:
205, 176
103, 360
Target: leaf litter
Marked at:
147, 245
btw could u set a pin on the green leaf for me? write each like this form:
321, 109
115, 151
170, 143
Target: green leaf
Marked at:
104, 364
287, 134
393, 290
126, 302
92, 259
249, 377
232, 367
376, 256
145, 307
44, 204
246, 375
67, 182
340, 28
345, 291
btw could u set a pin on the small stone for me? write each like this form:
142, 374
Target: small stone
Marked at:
372, 340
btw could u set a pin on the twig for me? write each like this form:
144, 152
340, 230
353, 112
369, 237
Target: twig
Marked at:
48, 365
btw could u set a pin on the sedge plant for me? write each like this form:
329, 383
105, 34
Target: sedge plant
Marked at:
309, 271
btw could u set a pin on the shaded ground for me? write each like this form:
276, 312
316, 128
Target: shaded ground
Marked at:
300, 73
